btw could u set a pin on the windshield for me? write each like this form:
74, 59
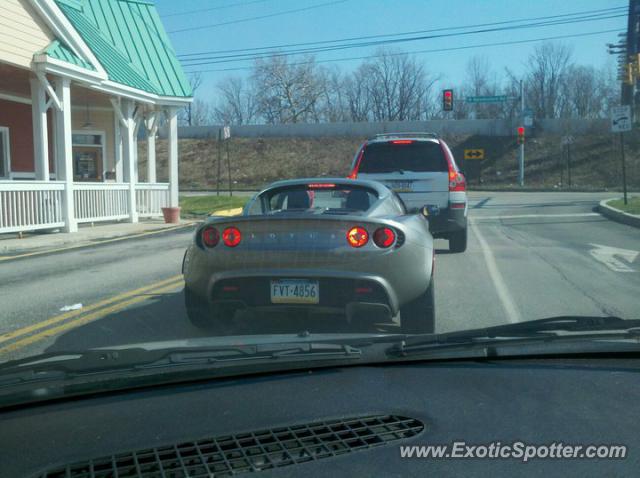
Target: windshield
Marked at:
417, 156
226, 186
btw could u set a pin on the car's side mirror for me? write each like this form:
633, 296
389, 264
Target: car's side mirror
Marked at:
430, 210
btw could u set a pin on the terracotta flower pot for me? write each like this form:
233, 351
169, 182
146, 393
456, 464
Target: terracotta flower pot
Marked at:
171, 215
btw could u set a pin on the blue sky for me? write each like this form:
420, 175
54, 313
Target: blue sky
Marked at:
354, 18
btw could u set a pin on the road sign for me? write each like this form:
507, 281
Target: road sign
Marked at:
474, 154
487, 99
620, 119
527, 117
568, 139
226, 132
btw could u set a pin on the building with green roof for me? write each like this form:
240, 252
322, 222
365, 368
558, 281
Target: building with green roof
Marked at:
80, 82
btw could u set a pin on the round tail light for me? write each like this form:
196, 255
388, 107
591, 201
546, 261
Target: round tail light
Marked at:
357, 236
210, 236
231, 236
384, 237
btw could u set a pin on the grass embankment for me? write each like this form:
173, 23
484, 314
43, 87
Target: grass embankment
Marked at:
197, 206
632, 206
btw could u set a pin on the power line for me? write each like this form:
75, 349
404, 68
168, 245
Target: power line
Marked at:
415, 32
436, 50
234, 58
261, 17
222, 7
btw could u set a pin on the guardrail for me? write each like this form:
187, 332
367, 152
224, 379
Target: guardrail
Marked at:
94, 202
30, 205
151, 198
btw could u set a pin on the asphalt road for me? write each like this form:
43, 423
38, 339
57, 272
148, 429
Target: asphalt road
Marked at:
530, 255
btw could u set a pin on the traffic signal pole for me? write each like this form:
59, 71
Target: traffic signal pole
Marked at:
521, 160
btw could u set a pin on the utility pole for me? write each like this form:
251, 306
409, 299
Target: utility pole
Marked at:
521, 161
219, 161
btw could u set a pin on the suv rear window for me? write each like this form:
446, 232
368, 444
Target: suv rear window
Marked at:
418, 156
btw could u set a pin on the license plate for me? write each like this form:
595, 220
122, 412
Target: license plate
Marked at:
401, 186
295, 291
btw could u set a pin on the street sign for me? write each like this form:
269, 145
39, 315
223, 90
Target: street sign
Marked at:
568, 139
474, 154
487, 99
620, 119
226, 132
527, 118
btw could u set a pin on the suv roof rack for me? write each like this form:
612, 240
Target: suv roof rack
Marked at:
419, 134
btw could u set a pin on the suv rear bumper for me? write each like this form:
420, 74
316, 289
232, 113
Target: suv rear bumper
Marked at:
449, 220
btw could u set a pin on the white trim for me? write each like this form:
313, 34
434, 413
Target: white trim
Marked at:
6, 143
125, 91
15, 98
65, 31
45, 63
102, 145
49, 89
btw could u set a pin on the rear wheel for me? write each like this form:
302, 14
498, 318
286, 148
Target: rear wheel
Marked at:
204, 316
458, 241
419, 315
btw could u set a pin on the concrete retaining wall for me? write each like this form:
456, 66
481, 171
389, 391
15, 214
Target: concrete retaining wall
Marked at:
442, 127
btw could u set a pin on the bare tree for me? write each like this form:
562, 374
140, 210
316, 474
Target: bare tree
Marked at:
548, 66
287, 92
481, 81
185, 115
237, 104
397, 86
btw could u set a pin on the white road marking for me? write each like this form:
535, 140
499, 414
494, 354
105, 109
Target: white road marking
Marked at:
528, 216
606, 255
508, 305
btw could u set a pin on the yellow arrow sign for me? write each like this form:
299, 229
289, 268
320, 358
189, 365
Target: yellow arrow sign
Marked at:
474, 154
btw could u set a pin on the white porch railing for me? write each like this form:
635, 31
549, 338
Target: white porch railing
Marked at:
30, 205
95, 202
151, 198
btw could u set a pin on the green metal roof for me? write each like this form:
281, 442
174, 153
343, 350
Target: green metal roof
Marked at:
60, 51
129, 41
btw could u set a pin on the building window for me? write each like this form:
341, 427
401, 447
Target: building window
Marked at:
5, 152
88, 156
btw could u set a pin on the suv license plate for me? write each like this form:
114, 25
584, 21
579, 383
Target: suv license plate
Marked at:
401, 186
295, 291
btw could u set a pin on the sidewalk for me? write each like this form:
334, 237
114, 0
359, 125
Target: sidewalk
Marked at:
40, 241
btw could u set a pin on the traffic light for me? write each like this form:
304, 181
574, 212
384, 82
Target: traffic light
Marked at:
447, 100
520, 134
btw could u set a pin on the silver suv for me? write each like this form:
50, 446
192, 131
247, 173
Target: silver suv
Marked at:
421, 169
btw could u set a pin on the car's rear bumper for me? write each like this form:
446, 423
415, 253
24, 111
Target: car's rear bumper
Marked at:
343, 295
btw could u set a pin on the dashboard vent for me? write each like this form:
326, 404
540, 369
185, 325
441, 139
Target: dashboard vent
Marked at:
248, 452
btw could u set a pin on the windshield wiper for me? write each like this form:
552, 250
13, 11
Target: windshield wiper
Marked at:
543, 329
69, 365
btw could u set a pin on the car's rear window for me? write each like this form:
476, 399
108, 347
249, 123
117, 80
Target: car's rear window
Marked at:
418, 156
320, 197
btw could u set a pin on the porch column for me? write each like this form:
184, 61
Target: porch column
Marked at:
40, 133
64, 152
129, 156
172, 117
117, 148
151, 124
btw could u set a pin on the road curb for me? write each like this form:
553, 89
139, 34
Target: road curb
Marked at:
617, 215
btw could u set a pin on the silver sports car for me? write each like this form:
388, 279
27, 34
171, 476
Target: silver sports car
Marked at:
332, 245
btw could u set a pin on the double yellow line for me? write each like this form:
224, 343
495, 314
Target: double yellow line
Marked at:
69, 320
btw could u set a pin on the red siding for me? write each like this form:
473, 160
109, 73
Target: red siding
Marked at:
17, 117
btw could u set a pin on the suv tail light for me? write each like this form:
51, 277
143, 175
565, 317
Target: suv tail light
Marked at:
356, 166
384, 237
210, 236
231, 236
357, 236
457, 181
